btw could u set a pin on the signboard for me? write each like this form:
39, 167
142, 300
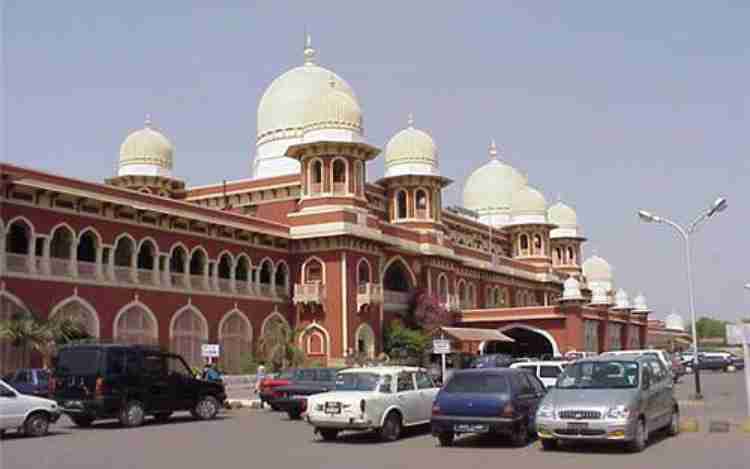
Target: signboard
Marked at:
441, 346
738, 334
210, 350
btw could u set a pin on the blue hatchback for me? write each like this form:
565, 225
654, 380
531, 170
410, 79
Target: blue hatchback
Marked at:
498, 401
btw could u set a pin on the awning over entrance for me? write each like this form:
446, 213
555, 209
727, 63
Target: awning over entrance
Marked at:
469, 334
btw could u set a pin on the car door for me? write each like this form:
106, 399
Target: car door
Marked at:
648, 395
528, 395
23, 382
427, 392
539, 392
12, 407
183, 389
664, 390
407, 397
155, 382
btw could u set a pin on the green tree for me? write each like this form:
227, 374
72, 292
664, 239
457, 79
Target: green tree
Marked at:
399, 340
711, 328
278, 346
41, 335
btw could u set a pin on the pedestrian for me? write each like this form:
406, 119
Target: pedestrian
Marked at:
210, 373
260, 375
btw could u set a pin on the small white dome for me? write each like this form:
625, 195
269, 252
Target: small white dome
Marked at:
621, 299
333, 110
491, 186
599, 296
562, 215
411, 151
639, 303
571, 290
528, 200
146, 152
674, 321
597, 269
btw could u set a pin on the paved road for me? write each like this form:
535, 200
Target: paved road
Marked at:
253, 438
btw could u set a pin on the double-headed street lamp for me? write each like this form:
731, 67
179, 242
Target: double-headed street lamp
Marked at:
718, 206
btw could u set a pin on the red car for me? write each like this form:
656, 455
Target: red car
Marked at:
268, 385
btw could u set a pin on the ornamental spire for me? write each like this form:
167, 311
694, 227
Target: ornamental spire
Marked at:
147, 123
309, 52
493, 149
410, 120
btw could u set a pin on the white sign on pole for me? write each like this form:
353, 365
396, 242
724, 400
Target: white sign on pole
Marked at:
441, 346
210, 350
738, 334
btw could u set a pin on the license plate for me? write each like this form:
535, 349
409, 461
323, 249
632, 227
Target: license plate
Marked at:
73, 404
471, 428
333, 408
577, 425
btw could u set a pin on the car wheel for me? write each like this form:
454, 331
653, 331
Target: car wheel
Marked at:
206, 408
83, 422
329, 434
674, 424
162, 416
446, 439
391, 429
638, 443
294, 414
36, 424
132, 415
521, 436
549, 444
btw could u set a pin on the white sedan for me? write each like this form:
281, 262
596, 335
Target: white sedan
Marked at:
384, 399
27, 414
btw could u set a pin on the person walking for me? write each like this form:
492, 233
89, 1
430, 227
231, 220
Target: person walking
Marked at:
260, 375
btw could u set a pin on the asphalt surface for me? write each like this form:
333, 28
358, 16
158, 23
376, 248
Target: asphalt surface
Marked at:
260, 438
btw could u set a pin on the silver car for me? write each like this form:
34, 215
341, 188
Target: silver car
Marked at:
617, 399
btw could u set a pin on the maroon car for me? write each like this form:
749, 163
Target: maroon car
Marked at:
267, 387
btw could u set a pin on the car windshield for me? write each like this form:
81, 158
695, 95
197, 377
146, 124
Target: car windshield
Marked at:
78, 362
612, 374
357, 381
480, 383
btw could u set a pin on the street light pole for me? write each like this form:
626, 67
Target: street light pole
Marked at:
718, 206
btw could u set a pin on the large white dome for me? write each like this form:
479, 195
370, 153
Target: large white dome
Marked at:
597, 269
299, 101
146, 152
490, 187
411, 151
566, 220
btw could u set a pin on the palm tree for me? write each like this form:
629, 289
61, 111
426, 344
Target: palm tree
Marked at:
278, 346
41, 335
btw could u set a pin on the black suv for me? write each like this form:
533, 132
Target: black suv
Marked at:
127, 382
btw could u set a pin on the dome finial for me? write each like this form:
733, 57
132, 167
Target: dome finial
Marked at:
332, 81
493, 149
147, 123
559, 197
410, 120
309, 52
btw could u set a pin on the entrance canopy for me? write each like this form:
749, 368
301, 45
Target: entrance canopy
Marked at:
468, 340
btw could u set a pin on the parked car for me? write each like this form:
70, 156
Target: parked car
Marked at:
27, 414
609, 398
267, 386
499, 401
714, 361
546, 371
30, 381
94, 382
383, 399
662, 355
494, 360
292, 398
577, 355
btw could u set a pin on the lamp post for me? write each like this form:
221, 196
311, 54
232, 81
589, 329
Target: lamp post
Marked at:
719, 205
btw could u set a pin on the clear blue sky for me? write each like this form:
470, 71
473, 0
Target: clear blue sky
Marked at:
614, 105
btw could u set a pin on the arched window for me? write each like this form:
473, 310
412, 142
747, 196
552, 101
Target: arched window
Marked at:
359, 177
282, 279
316, 177
363, 272
225, 267
18, 238
538, 247
197, 262
462, 293
264, 276
242, 270
422, 205
524, 243
87, 247
12, 355
235, 341
365, 341
136, 326
443, 287
401, 211
571, 256
313, 271
177, 260
470, 296
188, 333
339, 176
80, 313
61, 246
558, 256
146, 254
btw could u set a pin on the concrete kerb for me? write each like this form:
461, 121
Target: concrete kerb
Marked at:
243, 403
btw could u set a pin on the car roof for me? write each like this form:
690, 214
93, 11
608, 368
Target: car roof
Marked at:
541, 362
615, 357
382, 369
497, 371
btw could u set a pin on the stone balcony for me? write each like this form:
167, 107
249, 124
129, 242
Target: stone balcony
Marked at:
309, 293
369, 294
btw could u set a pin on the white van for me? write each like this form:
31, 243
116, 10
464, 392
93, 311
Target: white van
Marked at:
663, 356
546, 371
28, 414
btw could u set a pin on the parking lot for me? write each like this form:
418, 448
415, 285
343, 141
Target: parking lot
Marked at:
260, 438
